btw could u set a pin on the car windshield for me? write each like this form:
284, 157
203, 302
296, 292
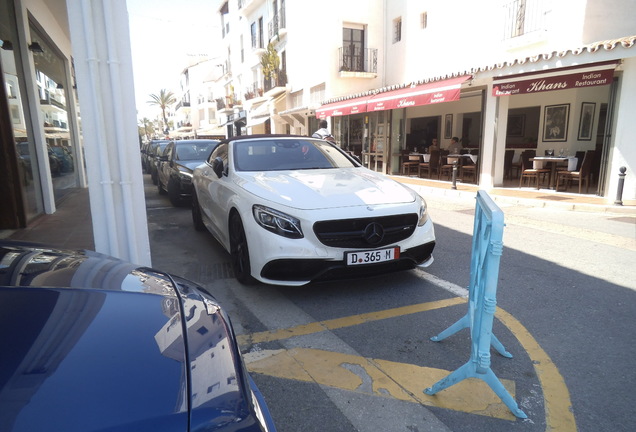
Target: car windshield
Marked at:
288, 154
194, 150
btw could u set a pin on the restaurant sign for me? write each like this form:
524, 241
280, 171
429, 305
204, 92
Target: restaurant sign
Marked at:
550, 83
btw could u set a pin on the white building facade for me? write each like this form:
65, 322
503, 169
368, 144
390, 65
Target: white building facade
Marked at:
497, 75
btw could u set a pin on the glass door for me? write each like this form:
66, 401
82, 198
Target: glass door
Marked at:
50, 71
20, 121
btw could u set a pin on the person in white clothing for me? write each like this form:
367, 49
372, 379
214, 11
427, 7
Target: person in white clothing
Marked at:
323, 132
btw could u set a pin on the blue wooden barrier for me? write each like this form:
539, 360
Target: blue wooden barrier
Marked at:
482, 304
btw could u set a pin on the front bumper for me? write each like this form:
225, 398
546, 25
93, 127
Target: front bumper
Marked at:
296, 270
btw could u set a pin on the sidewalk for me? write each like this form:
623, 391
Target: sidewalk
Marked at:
71, 225
522, 196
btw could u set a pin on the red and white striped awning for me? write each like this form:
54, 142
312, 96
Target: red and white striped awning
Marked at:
346, 107
435, 92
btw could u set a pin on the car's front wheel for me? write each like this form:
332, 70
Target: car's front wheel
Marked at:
239, 251
173, 193
197, 219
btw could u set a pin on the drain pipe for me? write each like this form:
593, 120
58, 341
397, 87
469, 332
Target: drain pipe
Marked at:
101, 161
121, 132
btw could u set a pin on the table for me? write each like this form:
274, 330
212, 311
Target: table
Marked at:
538, 161
454, 157
426, 157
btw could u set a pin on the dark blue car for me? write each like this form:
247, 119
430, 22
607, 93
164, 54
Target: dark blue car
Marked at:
92, 343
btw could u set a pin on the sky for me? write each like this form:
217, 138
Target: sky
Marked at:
164, 35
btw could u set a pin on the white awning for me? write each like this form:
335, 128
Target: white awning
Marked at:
256, 121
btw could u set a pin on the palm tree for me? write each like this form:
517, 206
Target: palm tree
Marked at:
146, 127
163, 100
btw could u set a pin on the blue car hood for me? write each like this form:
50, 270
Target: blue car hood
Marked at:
91, 343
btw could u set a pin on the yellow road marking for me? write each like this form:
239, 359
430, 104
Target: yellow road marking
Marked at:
316, 327
465, 396
380, 378
556, 396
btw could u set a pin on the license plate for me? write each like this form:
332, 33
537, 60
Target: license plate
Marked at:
372, 256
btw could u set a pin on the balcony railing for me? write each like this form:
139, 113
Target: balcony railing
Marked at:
253, 91
353, 59
277, 22
280, 80
182, 104
523, 17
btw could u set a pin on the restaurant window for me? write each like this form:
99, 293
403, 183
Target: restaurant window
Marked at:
397, 30
353, 49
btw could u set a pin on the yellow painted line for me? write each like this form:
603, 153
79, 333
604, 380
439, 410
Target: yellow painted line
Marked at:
558, 406
556, 396
381, 378
316, 327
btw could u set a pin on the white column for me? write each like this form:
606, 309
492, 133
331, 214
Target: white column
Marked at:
623, 151
494, 144
103, 64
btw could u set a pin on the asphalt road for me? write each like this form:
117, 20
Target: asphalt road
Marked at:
357, 355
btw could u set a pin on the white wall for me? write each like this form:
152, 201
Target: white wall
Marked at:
624, 151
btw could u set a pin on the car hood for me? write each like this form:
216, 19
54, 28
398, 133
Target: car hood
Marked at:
190, 165
98, 344
326, 188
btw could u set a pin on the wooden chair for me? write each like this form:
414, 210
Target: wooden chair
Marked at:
528, 172
469, 169
411, 163
583, 175
430, 167
509, 155
447, 168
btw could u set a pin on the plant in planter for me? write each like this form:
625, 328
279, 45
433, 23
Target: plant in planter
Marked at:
270, 62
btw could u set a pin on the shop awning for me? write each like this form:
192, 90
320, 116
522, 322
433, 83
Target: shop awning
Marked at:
566, 78
346, 107
430, 93
257, 120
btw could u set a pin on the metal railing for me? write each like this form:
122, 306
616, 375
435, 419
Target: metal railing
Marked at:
353, 59
523, 17
277, 22
253, 91
280, 80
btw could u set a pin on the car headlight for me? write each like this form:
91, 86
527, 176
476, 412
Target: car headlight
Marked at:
423, 214
277, 222
185, 176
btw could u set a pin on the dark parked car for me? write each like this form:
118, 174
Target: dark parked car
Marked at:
55, 163
179, 159
92, 343
153, 160
65, 157
147, 153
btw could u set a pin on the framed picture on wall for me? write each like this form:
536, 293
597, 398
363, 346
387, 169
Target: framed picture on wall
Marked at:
448, 126
516, 125
555, 122
587, 120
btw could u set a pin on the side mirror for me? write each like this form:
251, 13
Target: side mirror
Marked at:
217, 167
